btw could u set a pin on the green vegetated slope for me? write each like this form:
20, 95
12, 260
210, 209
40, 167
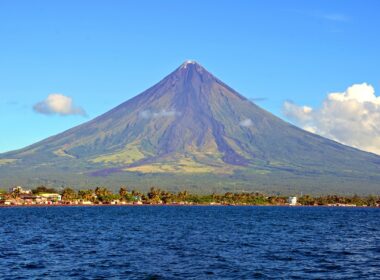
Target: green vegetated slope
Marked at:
192, 131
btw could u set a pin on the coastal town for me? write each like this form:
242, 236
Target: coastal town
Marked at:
45, 196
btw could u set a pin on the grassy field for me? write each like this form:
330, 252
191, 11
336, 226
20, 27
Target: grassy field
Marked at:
282, 182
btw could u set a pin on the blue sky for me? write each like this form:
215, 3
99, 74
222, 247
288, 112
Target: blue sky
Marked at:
101, 53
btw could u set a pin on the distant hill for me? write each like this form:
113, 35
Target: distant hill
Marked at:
192, 131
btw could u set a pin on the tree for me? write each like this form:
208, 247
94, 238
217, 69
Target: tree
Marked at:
105, 195
87, 195
43, 189
154, 195
183, 195
16, 192
371, 200
102, 191
123, 192
167, 197
69, 194
153, 192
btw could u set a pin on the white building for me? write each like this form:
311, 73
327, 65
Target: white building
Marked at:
292, 200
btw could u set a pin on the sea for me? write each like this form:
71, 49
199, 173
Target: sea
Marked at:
189, 242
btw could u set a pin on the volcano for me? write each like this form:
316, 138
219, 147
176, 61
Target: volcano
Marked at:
192, 131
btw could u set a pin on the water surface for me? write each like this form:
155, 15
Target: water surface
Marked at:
189, 242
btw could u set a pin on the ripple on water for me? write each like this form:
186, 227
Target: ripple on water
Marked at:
189, 242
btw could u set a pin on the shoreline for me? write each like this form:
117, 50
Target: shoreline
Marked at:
176, 205
101, 196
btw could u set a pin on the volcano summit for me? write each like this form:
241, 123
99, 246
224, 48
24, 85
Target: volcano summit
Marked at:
193, 131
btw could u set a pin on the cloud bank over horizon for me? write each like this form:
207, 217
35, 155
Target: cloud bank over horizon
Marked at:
58, 104
351, 117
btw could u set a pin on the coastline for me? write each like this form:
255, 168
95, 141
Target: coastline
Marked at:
177, 205
101, 196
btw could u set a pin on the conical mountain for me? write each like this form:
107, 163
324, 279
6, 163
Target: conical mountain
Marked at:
192, 130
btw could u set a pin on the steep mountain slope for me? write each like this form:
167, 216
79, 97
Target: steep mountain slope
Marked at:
191, 129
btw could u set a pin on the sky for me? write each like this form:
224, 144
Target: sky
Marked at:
313, 63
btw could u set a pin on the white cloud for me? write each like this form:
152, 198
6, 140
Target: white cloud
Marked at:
58, 104
246, 123
299, 113
351, 117
147, 114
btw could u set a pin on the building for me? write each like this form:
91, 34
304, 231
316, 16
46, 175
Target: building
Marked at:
292, 200
51, 196
30, 198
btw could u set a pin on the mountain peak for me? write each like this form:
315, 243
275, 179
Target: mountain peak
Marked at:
192, 65
189, 62
193, 72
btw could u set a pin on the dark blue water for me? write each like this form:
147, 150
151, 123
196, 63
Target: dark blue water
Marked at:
189, 242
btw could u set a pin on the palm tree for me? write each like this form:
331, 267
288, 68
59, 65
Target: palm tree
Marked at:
87, 195
69, 194
16, 192
102, 191
123, 192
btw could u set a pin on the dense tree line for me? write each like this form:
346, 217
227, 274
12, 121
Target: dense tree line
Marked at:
158, 196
